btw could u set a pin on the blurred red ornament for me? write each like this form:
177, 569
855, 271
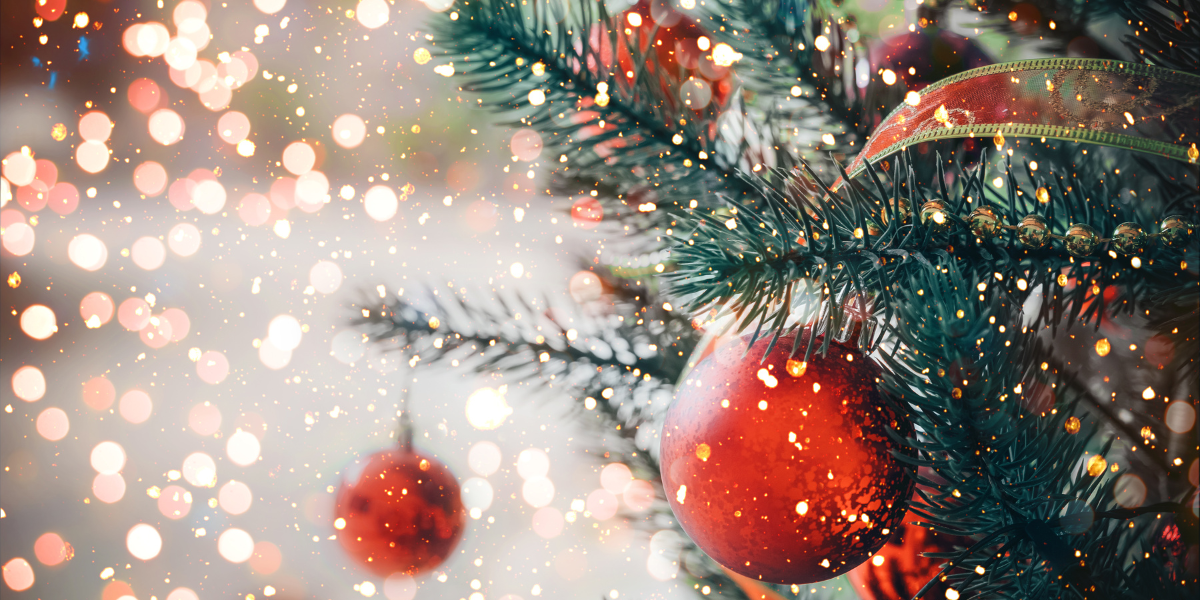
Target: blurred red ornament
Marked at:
399, 512
899, 570
782, 470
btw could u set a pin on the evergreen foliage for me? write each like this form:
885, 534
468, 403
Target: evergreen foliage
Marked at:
964, 325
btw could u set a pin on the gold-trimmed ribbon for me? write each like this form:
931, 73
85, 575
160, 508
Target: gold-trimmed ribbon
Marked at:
1095, 101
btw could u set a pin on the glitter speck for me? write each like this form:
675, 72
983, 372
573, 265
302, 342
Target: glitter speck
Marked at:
703, 451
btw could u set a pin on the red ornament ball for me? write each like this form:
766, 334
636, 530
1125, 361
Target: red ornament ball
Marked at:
781, 470
399, 511
899, 570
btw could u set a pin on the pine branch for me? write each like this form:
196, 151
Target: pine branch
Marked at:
616, 389
856, 244
966, 374
777, 41
592, 84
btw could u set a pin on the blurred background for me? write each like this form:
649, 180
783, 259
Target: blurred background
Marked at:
194, 194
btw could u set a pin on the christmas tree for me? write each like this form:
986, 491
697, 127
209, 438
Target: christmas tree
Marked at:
795, 183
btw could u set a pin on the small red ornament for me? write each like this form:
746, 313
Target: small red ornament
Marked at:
781, 470
402, 511
899, 570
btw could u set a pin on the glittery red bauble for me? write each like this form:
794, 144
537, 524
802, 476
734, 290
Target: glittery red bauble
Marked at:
402, 512
899, 570
781, 471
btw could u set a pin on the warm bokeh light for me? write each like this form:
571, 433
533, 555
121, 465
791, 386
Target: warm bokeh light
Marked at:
373, 14
133, 314
53, 424
272, 356
50, 549
254, 209
548, 522
537, 492
200, 470
615, 477
143, 541
266, 558
148, 253
92, 156
399, 586
299, 158
18, 574
526, 144
243, 448
29, 384
602, 504
477, 494
108, 488
166, 126
487, 409
204, 418
108, 458
174, 502
233, 127
285, 332
150, 178
269, 7
99, 393
95, 126
184, 239
19, 238
145, 95
135, 406
235, 497
39, 322
87, 252
180, 54
639, 496
209, 197
325, 277
484, 458
235, 545
19, 168
212, 367
349, 131
381, 203
533, 462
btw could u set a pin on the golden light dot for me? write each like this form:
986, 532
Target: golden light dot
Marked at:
822, 43
877, 560
1129, 117
602, 101
1096, 465
998, 139
539, 68
802, 508
816, 387
1043, 195
889, 77
941, 115
723, 55
703, 451
434, 323
796, 90
58, 132
245, 148
340, 523
1193, 153
956, 393
682, 493
421, 56
1147, 432
1148, 393
951, 593
725, 403
980, 570
634, 19
1103, 347
762, 404
14, 280
1012, 16
1062, 279
1072, 425
537, 97
423, 465
912, 98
